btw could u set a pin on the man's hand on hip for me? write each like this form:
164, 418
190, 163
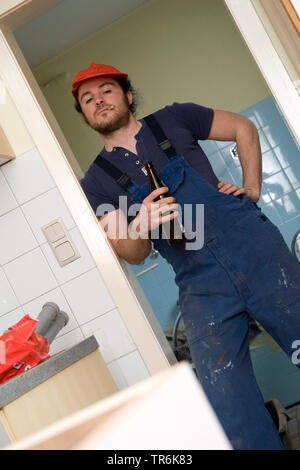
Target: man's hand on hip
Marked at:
228, 188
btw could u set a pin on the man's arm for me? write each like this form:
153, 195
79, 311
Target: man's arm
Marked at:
134, 251
132, 242
228, 126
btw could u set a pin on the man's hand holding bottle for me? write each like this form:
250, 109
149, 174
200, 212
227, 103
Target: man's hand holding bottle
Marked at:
155, 210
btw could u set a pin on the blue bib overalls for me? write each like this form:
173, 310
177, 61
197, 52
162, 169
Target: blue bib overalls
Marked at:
244, 268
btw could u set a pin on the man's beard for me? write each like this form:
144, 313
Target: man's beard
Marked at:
120, 119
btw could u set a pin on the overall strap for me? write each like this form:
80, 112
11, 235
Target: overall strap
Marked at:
164, 143
122, 178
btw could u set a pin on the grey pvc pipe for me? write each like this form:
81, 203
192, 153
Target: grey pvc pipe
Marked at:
50, 321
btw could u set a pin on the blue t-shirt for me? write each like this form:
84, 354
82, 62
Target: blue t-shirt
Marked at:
184, 124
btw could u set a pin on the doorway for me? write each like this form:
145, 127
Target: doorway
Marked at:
222, 73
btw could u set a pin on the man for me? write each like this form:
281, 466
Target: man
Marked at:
242, 268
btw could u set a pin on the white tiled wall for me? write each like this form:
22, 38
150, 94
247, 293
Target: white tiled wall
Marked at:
31, 276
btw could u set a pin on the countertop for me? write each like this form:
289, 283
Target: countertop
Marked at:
24, 382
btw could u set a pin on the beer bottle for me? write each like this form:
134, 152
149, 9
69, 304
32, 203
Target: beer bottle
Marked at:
173, 230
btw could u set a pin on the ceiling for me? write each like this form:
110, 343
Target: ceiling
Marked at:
68, 24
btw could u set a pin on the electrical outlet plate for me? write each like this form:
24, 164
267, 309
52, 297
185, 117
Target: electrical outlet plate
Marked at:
60, 242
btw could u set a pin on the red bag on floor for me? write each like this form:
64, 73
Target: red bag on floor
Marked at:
21, 349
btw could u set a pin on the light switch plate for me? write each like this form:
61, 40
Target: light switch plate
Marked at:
60, 242
54, 232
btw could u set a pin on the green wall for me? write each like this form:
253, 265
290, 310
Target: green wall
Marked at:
173, 50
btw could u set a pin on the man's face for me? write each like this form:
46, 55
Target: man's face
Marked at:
97, 96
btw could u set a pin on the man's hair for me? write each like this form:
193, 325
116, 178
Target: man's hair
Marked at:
125, 85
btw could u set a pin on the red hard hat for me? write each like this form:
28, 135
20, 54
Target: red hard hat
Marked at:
96, 70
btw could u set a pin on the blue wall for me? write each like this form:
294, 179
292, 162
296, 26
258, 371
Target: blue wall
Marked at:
280, 197
160, 289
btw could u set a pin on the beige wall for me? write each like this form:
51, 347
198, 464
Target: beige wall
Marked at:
173, 50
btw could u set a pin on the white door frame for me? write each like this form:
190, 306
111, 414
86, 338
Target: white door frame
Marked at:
268, 61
